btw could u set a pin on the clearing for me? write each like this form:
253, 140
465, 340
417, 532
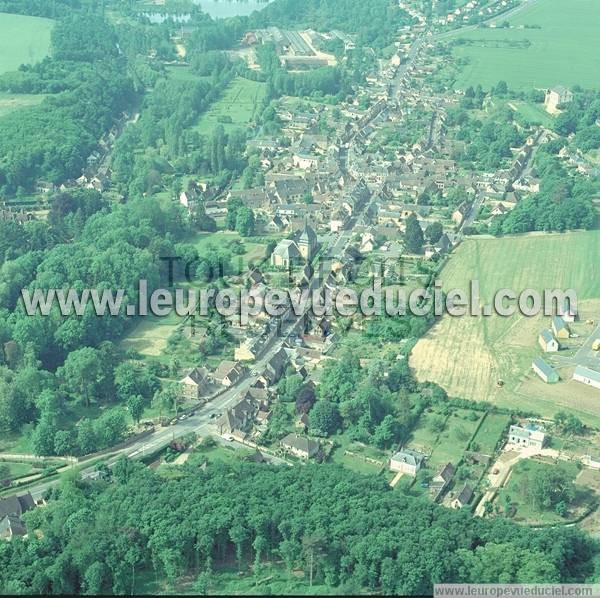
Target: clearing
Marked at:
235, 109
23, 40
468, 356
549, 43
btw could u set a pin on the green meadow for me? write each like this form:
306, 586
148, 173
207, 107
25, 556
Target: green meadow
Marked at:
23, 40
549, 43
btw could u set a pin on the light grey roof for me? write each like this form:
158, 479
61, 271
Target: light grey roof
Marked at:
409, 457
287, 249
584, 372
301, 443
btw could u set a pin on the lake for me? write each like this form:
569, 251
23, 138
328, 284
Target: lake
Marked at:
229, 8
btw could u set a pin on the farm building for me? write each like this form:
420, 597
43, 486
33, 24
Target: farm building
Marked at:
545, 371
587, 376
407, 461
527, 436
560, 328
547, 342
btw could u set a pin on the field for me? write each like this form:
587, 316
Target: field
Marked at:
237, 106
469, 355
13, 101
23, 40
563, 48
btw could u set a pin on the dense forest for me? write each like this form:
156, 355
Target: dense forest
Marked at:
347, 531
89, 79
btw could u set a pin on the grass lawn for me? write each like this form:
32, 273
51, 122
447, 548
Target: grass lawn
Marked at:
17, 470
357, 460
149, 336
488, 435
239, 103
563, 48
526, 512
528, 113
468, 355
23, 40
447, 445
12, 101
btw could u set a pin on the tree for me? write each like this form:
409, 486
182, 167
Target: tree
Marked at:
413, 237
245, 222
324, 419
135, 405
434, 232
83, 374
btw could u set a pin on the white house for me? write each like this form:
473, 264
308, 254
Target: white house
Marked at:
587, 376
407, 461
528, 436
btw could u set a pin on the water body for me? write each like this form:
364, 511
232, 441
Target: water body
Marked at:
157, 18
229, 8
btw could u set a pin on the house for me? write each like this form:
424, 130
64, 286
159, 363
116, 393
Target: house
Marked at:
275, 368
526, 436
459, 214
545, 371
548, 342
11, 526
16, 505
285, 254
587, 376
445, 474
301, 446
464, 497
407, 461
560, 328
228, 373
305, 161
195, 382
557, 96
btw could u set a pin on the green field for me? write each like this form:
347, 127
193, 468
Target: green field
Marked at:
23, 40
489, 433
564, 48
239, 103
468, 355
13, 101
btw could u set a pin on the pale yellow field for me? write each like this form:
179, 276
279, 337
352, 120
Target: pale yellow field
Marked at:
469, 355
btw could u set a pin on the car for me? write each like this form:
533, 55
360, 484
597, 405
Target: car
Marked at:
228, 438
254, 372
192, 413
182, 417
173, 421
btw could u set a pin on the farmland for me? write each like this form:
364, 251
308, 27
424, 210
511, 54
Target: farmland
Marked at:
235, 109
552, 42
23, 40
469, 355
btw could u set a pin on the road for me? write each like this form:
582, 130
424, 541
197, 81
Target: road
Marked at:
504, 15
202, 422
